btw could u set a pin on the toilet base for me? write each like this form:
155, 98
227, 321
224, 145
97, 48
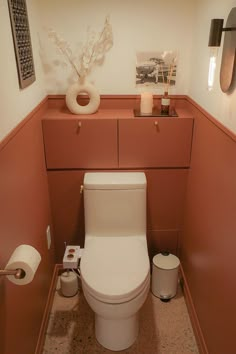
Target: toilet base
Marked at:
117, 334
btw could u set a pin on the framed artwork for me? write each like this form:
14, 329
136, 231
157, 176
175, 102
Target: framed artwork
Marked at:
155, 69
22, 42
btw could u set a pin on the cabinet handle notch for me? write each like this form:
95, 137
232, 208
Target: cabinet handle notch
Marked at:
79, 125
156, 124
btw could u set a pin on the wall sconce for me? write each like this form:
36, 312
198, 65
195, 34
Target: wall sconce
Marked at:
229, 50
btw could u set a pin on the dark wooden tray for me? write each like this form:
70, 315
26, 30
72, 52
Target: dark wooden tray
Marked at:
156, 112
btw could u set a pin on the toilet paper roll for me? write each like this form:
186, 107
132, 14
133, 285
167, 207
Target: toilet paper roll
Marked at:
27, 258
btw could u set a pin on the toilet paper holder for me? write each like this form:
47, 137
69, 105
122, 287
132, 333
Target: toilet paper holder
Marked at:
18, 273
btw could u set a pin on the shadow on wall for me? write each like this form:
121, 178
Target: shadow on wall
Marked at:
54, 69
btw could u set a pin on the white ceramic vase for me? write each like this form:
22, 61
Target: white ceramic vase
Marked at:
82, 87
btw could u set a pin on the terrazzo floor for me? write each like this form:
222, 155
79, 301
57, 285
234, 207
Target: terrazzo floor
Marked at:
165, 328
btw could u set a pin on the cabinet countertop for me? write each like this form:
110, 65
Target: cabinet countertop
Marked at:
63, 113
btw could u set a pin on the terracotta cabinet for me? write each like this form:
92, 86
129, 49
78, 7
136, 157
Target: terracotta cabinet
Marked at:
111, 143
80, 143
160, 147
161, 142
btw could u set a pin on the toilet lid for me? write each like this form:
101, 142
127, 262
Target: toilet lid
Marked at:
115, 268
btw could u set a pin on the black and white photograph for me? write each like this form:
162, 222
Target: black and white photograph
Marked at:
155, 69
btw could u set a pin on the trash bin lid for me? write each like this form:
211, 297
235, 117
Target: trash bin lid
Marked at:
166, 261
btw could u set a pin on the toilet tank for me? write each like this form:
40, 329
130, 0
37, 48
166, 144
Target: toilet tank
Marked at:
115, 203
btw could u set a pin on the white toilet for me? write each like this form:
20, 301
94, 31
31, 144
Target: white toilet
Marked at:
115, 270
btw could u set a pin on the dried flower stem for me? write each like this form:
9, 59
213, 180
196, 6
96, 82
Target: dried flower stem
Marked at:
94, 46
70, 61
94, 49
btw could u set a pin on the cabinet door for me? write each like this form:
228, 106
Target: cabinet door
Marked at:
85, 143
148, 142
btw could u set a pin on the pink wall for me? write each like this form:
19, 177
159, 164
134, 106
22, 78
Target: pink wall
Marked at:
25, 214
208, 241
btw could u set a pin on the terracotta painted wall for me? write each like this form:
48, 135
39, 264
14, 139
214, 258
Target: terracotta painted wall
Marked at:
24, 216
208, 242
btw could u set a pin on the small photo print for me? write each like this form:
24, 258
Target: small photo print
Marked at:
156, 69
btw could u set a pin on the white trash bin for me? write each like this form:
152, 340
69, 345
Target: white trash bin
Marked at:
165, 269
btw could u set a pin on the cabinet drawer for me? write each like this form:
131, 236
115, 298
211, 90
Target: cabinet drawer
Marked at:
74, 143
148, 142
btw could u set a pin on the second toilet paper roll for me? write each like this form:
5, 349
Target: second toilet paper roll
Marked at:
69, 284
27, 258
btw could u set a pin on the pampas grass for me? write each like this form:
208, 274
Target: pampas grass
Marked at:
92, 52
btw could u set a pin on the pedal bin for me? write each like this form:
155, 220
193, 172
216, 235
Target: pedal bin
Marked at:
165, 269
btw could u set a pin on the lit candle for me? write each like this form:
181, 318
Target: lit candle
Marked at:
146, 103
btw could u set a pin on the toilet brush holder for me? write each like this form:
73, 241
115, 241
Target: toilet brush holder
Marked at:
69, 284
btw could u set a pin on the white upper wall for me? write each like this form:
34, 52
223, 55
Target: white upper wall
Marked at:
17, 103
148, 25
142, 25
220, 105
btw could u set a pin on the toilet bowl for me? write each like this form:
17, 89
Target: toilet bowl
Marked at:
115, 270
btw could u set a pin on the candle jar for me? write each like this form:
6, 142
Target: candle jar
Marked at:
165, 104
146, 104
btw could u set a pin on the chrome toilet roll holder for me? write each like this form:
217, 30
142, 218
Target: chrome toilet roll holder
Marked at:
18, 273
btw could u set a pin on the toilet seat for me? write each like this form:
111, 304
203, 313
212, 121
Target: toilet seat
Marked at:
115, 269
